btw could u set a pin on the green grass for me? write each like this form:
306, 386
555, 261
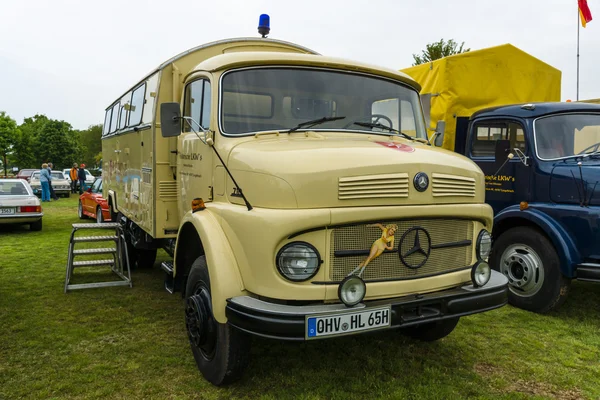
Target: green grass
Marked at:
131, 343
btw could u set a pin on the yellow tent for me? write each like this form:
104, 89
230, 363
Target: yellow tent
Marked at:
458, 85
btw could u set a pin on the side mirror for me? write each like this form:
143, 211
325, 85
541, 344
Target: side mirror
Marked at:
438, 136
170, 119
502, 150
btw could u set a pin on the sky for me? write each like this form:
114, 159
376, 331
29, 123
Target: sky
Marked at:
69, 59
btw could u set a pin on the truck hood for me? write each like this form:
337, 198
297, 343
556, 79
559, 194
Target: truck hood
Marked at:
308, 172
570, 185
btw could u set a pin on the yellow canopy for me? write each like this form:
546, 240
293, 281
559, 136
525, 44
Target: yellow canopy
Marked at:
459, 85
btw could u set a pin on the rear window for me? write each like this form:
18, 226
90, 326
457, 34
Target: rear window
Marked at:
12, 189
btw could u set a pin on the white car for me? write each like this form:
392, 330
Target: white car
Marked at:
89, 178
18, 204
59, 184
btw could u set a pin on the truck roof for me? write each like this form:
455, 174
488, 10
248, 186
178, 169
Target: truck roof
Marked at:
523, 110
268, 58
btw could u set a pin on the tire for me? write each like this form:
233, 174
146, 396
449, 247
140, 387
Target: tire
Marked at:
221, 351
99, 218
145, 258
530, 262
80, 213
432, 331
36, 226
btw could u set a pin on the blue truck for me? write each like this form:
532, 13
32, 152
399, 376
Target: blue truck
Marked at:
542, 167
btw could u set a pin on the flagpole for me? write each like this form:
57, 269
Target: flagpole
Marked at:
577, 52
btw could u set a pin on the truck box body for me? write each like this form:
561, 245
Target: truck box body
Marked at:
455, 87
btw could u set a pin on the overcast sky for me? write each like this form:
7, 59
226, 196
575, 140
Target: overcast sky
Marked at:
68, 59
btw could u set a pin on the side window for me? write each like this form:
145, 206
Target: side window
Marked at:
113, 120
487, 133
96, 186
106, 127
137, 106
197, 104
122, 118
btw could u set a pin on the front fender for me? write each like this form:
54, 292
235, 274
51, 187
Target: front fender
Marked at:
225, 278
565, 248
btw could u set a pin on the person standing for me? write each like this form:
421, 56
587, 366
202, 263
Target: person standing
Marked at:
52, 194
45, 182
74, 177
81, 177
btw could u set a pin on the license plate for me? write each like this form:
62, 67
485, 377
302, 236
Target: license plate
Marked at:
347, 322
6, 210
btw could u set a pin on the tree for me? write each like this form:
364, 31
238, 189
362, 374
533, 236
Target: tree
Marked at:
91, 143
437, 50
58, 143
8, 134
25, 151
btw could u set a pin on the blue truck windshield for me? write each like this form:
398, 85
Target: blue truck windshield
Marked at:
566, 135
265, 99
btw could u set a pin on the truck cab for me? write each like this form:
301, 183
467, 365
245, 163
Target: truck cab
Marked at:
542, 168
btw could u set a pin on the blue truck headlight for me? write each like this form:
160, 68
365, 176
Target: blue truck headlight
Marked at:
483, 245
298, 261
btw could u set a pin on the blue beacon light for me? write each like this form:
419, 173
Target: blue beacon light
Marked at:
264, 25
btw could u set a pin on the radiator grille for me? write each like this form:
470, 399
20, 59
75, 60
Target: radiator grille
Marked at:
167, 190
373, 186
452, 185
355, 238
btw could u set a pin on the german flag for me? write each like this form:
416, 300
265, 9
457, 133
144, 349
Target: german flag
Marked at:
584, 12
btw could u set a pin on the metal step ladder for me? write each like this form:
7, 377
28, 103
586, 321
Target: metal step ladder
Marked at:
118, 264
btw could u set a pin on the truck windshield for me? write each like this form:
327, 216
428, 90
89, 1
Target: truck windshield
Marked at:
266, 99
567, 135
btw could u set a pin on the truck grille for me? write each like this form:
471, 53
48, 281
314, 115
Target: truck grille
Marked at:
373, 186
450, 249
443, 185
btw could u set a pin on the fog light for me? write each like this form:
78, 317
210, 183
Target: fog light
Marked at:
352, 290
481, 274
483, 245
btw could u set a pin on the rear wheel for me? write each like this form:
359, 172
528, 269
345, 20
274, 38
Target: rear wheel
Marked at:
530, 262
145, 258
432, 331
221, 351
36, 226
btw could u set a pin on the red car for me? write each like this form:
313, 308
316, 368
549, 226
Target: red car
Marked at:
93, 205
26, 174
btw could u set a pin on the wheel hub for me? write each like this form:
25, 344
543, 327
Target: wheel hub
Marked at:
524, 269
199, 322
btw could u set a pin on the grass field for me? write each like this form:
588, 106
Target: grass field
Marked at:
130, 343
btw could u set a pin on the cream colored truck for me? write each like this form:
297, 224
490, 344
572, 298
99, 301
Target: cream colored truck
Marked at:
299, 199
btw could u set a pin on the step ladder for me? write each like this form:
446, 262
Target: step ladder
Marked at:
112, 256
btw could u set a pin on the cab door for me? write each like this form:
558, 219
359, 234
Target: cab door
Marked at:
508, 181
194, 157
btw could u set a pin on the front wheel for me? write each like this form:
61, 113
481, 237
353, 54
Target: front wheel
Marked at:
432, 331
99, 218
530, 262
221, 351
80, 211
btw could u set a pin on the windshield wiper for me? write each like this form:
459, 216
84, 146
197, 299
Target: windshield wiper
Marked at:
312, 123
381, 126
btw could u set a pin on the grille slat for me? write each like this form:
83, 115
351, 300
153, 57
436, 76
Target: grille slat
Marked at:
373, 186
443, 185
388, 265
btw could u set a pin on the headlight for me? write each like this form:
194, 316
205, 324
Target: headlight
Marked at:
480, 274
298, 261
484, 245
352, 290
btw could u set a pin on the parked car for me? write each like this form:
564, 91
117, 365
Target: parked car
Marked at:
18, 204
89, 178
25, 174
60, 185
93, 205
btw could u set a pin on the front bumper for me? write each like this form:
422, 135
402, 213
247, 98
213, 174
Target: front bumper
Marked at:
287, 322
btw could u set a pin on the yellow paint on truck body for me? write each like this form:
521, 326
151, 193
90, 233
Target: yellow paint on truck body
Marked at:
303, 186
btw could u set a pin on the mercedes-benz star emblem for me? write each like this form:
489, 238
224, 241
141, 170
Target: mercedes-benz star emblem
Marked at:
414, 247
421, 181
